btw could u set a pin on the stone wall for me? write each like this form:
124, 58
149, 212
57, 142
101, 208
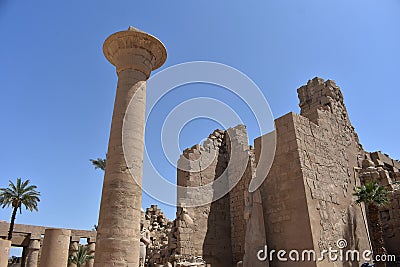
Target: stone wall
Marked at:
391, 222
287, 222
239, 193
215, 231
307, 196
205, 230
385, 171
329, 153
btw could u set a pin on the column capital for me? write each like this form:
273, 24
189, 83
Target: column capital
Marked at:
91, 239
34, 244
135, 50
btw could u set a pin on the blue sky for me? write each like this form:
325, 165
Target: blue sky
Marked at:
57, 88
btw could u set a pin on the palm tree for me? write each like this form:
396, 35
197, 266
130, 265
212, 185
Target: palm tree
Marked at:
81, 257
99, 163
373, 196
18, 195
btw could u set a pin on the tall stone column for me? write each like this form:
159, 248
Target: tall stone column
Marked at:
4, 252
134, 54
55, 248
33, 253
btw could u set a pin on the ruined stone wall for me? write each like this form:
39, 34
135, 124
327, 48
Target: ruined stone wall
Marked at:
322, 103
385, 171
215, 231
391, 222
205, 230
307, 195
156, 229
287, 223
238, 137
329, 151
384, 161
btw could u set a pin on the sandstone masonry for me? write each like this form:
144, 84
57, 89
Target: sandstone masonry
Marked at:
306, 199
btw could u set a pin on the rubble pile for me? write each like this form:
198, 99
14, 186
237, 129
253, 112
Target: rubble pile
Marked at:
155, 231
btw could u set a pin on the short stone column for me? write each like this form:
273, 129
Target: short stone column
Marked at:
134, 54
33, 253
73, 248
55, 248
91, 250
4, 252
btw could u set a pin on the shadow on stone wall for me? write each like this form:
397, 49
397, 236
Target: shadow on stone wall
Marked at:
217, 243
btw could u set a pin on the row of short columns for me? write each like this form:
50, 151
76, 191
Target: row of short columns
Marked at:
74, 246
57, 246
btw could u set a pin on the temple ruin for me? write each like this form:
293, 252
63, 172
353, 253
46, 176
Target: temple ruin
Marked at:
305, 202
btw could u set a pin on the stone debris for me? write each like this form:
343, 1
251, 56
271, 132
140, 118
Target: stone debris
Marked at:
192, 261
156, 228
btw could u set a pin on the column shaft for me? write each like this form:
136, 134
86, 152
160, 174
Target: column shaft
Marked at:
119, 232
4, 252
73, 250
55, 248
134, 54
91, 248
33, 253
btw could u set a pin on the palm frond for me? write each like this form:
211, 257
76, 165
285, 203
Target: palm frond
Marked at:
99, 163
20, 194
81, 257
371, 193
